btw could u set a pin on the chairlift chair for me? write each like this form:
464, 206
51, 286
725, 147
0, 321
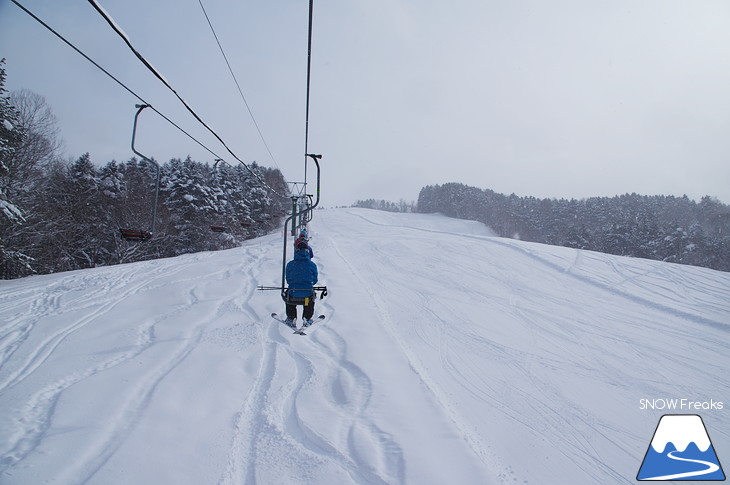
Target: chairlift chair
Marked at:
138, 235
304, 300
134, 235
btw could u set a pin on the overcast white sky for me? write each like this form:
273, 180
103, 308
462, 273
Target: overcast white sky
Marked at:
559, 98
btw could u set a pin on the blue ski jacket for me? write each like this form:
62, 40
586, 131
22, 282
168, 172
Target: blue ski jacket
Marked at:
301, 274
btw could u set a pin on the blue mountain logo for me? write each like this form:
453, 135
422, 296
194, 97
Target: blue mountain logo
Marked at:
681, 450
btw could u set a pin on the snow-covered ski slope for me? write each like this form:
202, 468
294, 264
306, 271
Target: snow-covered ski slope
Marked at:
447, 357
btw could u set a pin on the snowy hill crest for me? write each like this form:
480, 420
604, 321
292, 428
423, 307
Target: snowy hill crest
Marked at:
447, 356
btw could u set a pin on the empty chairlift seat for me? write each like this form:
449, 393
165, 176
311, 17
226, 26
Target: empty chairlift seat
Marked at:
134, 235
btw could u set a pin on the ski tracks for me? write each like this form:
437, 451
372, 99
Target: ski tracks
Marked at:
382, 314
366, 451
301, 383
666, 304
88, 298
35, 413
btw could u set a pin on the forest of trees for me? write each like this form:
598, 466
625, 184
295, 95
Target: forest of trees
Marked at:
58, 215
384, 205
666, 228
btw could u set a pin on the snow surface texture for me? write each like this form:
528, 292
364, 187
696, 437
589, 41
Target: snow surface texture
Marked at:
447, 357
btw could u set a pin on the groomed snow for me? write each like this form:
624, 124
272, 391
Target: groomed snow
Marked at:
447, 357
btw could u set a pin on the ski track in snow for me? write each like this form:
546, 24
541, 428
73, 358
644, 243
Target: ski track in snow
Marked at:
140, 398
384, 316
100, 300
89, 296
288, 375
447, 356
557, 414
99, 294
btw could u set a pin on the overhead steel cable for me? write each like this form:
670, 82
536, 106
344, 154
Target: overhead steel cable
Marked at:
159, 76
309, 72
96, 64
240, 91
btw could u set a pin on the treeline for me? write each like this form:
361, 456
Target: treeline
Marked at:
666, 228
73, 214
60, 215
384, 205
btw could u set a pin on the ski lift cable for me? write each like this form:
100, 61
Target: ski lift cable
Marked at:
124, 86
96, 64
240, 91
309, 79
127, 234
303, 193
306, 212
159, 76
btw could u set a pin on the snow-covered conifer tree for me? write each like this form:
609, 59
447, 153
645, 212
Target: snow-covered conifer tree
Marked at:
12, 261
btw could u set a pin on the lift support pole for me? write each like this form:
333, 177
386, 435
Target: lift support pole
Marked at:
292, 218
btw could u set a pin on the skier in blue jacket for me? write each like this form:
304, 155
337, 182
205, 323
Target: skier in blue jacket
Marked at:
301, 276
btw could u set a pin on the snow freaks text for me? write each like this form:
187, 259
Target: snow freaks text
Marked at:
683, 405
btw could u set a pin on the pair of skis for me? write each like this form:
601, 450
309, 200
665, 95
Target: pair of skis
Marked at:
298, 331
